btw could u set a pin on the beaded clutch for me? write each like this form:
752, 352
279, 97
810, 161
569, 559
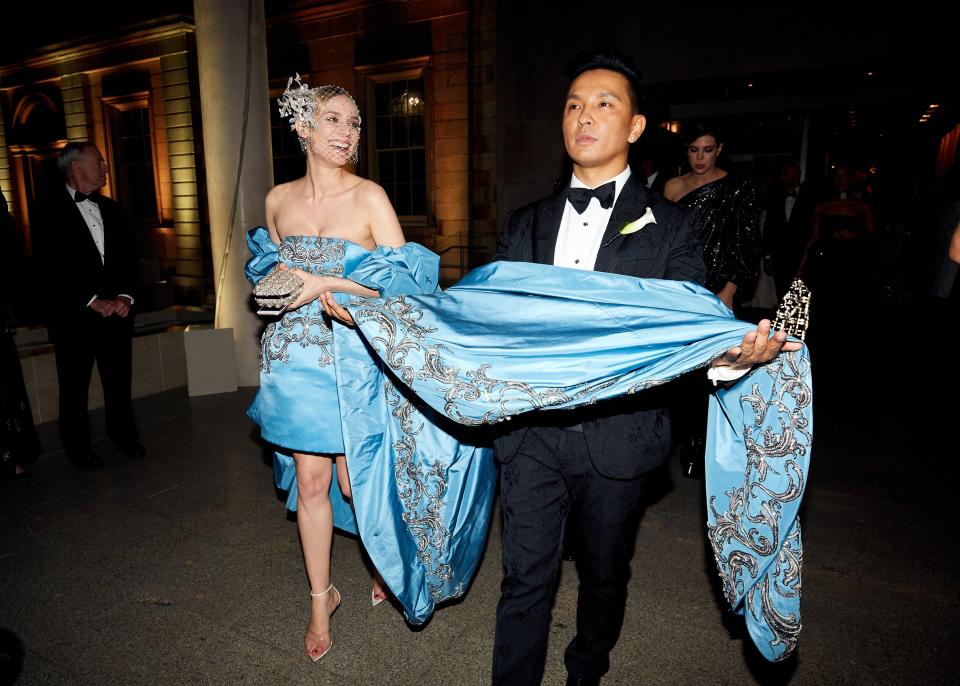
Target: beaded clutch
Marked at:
277, 290
793, 315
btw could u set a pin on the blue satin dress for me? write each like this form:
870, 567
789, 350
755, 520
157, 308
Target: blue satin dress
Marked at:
297, 406
432, 373
323, 391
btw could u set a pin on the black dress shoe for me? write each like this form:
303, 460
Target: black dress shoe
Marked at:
133, 450
87, 460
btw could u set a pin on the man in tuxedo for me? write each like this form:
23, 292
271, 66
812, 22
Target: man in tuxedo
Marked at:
586, 468
649, 166
85, 244
787, 228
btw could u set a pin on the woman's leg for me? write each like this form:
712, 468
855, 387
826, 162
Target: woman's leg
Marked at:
315, 521
378, 595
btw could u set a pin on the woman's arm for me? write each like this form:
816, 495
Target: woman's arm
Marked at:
382, 220
271, 213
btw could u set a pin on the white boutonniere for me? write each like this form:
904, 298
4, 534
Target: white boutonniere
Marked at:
638, 224
635, 225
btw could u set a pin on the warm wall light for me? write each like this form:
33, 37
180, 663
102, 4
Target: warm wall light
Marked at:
671, 126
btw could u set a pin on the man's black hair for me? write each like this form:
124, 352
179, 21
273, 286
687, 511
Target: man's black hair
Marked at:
611, 60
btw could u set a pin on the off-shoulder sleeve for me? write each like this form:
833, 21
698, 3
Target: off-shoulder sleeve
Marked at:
410, 269
263, 251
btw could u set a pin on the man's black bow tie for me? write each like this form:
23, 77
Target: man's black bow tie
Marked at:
80, 197
580, 197
791, 194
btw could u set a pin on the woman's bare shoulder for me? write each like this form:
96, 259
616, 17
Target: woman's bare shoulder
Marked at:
674, 188
281, 191
370, 191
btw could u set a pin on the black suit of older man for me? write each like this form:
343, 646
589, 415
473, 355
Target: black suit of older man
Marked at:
92, 274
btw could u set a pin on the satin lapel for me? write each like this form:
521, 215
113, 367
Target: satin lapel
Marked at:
547, 227
631, 204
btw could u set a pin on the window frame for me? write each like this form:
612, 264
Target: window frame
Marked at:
120, 104
369, 77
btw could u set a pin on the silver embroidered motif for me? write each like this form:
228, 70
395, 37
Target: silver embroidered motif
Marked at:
749, 525
306, 326
421, 489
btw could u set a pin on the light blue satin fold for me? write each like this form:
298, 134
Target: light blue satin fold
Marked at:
410, 268
422, 494
516, 337
263, 254
422, 490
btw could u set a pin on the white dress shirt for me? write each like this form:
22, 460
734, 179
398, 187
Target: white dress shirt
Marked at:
788, 202
580, 235
94, 221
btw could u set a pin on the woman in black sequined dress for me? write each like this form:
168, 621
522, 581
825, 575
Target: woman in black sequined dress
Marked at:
729, 212
729, 227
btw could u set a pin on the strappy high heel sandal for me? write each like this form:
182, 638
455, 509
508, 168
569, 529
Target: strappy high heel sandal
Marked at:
319, 634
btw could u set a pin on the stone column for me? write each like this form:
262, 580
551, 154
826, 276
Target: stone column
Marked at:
74, 90
6, 177
179, 137
225, 53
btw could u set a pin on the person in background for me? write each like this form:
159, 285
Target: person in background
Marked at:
86, 240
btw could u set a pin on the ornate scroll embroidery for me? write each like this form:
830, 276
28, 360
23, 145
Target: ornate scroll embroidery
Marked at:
421, 489
306, 326
397, 342
296, 328
758, 554
313, 254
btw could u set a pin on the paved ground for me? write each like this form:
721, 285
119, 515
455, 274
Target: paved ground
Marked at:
182, 568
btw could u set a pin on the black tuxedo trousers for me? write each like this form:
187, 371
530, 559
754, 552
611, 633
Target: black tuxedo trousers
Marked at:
108, 342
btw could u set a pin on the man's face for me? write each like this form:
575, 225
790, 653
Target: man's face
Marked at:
598, 120
89, 171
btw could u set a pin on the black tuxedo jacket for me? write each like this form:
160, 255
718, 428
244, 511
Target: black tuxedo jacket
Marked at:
65, 251
659, 183
626, 437
785, 240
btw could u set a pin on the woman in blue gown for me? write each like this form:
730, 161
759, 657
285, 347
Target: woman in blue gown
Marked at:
322, 227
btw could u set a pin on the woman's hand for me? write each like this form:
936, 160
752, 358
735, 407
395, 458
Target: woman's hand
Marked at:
313, 286
334, 310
